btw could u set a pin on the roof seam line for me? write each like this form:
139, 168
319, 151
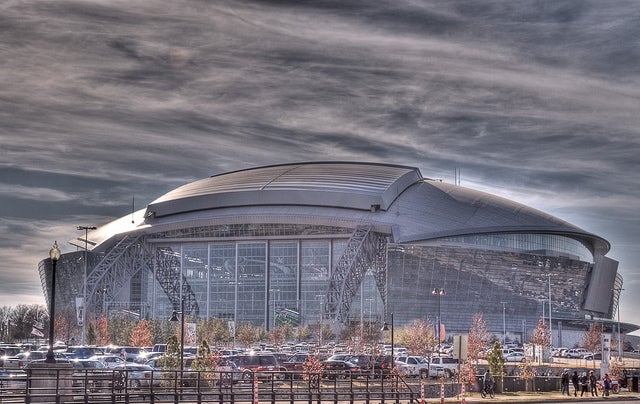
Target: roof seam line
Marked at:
275, 178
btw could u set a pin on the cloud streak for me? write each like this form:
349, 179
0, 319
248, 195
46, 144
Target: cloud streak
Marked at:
103, 100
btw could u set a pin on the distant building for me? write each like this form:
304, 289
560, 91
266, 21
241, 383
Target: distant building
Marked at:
338, 242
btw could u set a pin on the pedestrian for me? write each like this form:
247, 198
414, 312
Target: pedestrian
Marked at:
487, 381
575, 379
593, 384
606, 382
584, 384
564, 380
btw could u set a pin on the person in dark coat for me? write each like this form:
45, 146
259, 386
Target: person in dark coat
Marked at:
593, 384
575, 379
584, 384
564, 380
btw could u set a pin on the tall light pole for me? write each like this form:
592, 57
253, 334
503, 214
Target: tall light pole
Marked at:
84, 281
439, 292
619, 290
174, 317
321, 322
385, 327
273, 302
550, 329
504, 323
54, 254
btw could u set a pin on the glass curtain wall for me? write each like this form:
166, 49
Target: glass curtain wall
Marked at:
231, 280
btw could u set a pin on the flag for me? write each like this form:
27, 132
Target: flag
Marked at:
37, 332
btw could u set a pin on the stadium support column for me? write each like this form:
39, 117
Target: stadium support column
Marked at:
438, 292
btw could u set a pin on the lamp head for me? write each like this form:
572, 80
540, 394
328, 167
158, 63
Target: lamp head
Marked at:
54, 252
174, 316
385, 327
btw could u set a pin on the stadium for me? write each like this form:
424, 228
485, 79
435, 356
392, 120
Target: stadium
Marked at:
342, 242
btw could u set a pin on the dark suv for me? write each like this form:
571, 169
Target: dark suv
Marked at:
263, 366
382, 366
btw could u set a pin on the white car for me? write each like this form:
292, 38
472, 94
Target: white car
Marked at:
109, 361
576, 353
515, 357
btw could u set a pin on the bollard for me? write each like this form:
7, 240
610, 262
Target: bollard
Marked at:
442, 391
464, 394
422, 400
255, 389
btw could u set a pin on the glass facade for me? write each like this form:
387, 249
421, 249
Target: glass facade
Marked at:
264, 282
479, 280
545, 244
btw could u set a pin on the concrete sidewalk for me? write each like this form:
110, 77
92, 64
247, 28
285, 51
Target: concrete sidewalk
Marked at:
525, 397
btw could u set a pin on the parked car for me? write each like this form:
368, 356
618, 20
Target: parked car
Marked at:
83, 352
128, 353
450, 365
23, 358
8, 351
295, 363
413, 366
593, 356
339, 369
91, 375
515, 357
109, 361
264, 366
137, 376
364, 362
382, 366
576, 353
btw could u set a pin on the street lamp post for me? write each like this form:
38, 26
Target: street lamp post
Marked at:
439, 292
54, 254
504, 324
273, 302
84, 281
174, 317
385, 327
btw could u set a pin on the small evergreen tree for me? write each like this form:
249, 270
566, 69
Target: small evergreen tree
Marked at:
91, 334
171, 359
496, 360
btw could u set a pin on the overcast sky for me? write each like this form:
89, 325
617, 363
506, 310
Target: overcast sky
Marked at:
536, 101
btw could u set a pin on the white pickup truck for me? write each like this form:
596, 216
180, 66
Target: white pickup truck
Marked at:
418, 366
450, 365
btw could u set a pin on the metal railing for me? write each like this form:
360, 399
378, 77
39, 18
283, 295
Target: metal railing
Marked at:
159, 386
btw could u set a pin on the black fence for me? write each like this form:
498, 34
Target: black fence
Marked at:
61, 385
125, 386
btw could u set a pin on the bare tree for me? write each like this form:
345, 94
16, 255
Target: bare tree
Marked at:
541, 335
141, 334
477, 341
592, 339
419, 337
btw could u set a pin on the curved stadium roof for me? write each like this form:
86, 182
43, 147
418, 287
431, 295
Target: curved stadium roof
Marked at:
346, 193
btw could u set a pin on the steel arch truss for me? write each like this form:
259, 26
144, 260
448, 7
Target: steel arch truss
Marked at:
169, 275
365, 250
124, 261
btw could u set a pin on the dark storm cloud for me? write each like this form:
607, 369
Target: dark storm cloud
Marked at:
102, 100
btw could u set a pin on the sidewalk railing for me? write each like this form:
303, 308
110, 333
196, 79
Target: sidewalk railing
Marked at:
125, 386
